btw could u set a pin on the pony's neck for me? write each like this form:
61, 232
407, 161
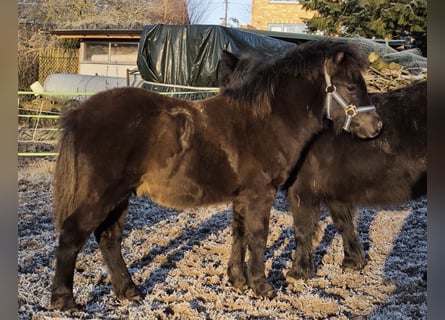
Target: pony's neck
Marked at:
303, 115
304, 99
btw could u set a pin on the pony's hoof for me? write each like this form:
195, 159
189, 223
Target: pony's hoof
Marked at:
293, 274
237, 279
240, 286
130, 293
264, 289
267, 292
63, 303
354, 264
135, 296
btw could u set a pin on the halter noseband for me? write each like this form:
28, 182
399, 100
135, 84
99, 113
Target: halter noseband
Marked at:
350, 109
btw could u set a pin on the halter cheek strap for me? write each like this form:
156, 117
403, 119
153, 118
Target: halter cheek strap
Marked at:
350, 109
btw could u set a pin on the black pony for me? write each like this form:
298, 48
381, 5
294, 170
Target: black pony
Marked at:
238, 146
343, 173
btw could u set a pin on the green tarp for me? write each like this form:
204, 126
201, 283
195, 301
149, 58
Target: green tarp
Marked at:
189, 54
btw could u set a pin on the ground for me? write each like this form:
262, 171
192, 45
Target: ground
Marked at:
179, 261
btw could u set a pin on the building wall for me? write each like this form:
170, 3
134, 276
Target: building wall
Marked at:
266, 14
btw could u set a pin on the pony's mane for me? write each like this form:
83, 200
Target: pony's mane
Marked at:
404, 114
254, 80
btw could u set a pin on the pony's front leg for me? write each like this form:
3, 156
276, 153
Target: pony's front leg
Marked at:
258, 228
306, 214
236, 269
251, 226
343, 216
109, 238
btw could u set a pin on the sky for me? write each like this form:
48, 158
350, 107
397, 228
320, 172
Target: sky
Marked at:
239, 9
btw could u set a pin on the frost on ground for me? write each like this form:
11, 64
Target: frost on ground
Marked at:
179, 260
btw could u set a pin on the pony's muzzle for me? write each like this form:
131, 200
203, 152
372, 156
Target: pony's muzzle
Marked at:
364, 128
378, 124
378, 127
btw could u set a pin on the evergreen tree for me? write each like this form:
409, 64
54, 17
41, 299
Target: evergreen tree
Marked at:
369, 18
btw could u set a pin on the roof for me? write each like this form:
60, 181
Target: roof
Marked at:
136, 34
296, 38
97, 33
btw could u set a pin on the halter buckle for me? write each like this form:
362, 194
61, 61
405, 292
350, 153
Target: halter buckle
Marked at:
351, 110
331, 88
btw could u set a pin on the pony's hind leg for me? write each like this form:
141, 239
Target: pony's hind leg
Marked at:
109, 238
73, 235
343, 216
306, 214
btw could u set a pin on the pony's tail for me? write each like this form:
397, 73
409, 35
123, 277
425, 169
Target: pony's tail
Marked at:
65, 180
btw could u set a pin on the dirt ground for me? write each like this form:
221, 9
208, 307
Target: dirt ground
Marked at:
179, 261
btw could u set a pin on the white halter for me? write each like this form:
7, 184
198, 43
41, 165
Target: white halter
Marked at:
350, 109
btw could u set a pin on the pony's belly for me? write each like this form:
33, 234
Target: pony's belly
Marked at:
172, 193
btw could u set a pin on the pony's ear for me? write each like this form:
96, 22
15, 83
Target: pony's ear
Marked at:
329, 66
339, 57
333, 62
229, 60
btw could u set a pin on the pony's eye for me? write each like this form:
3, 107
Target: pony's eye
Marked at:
351, 87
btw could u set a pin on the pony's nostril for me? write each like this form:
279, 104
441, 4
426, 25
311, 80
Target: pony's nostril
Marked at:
379, 125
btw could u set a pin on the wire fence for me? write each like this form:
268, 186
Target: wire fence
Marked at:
37, 125
38, 118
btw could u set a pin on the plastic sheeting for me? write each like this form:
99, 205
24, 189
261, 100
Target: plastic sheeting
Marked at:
190, 54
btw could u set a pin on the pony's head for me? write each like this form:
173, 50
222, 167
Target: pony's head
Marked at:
346, 101
334, 69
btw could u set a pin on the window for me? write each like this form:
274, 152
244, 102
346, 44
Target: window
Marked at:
283, 27
123, 52
95, 52
109, 52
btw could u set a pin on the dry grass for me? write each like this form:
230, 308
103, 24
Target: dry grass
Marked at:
179, 261
37, 171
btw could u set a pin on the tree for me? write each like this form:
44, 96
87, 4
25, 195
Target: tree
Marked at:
197, 10
369, 18
104, 14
